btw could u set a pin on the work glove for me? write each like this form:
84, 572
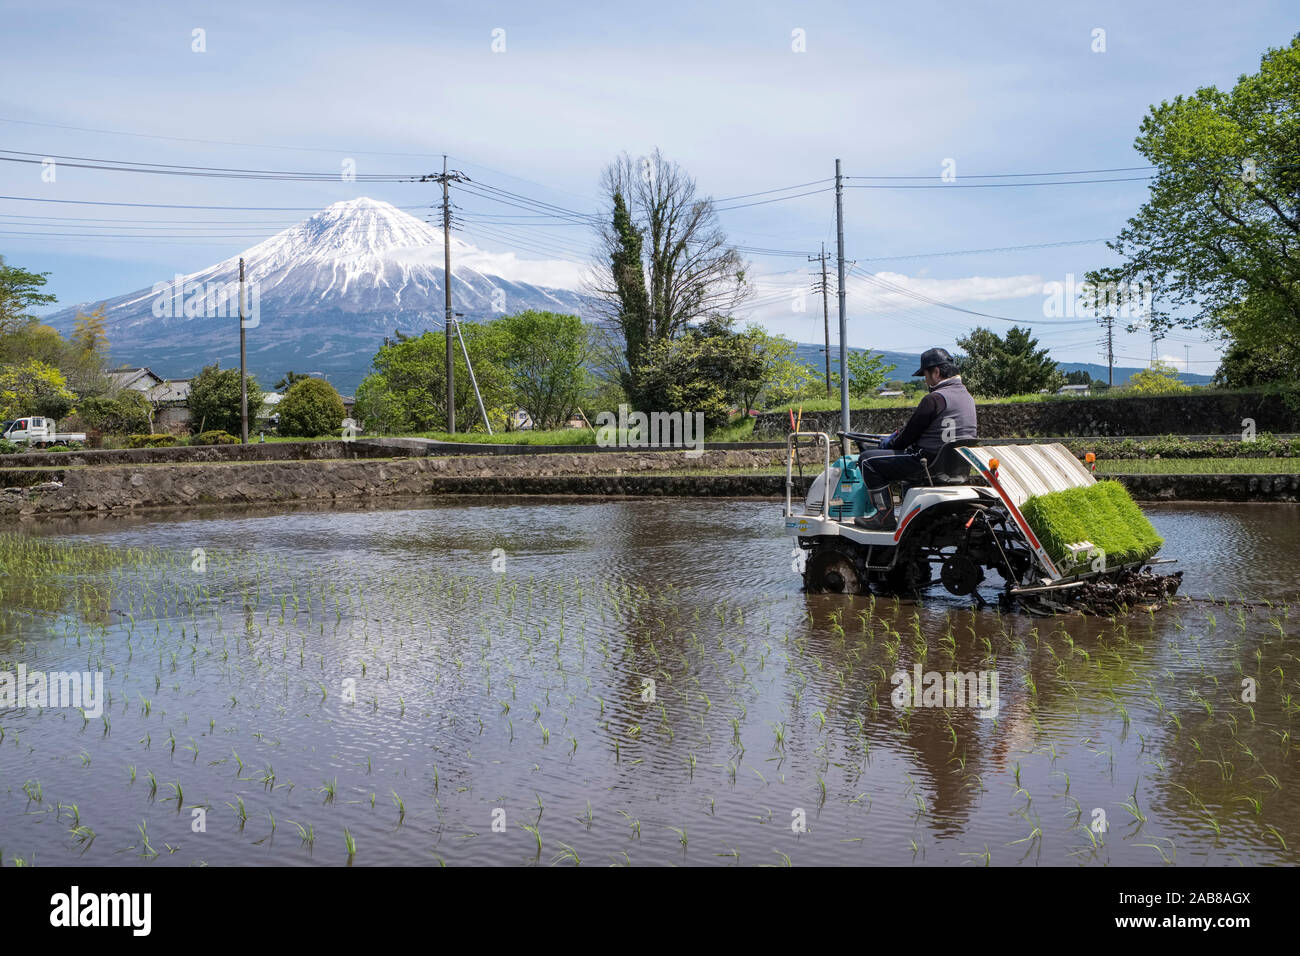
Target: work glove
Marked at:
888, 440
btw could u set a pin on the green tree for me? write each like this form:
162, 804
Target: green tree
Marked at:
1079, 377
35, 341
1245, 366
996, 367
290, 378
408, 390
867, 372
791, 382
1220, 225
214, 400
19, 291
85, 359
1160, 379
628, 296
667, 262
545, 356
311, 407
675, 376
707, 369
34, 388
376, 408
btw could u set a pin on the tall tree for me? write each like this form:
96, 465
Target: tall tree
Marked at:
1222, 223
19, 291
214, 400
663, 239
86, 358
545, 357
996, 367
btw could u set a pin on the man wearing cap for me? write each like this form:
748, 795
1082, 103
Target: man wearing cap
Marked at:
945, 414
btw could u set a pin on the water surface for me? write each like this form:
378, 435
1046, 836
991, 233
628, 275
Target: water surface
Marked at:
469, 682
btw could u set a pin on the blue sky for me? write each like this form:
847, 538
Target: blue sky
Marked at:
891, 89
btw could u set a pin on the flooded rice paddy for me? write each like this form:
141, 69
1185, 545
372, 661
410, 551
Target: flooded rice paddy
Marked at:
470, 683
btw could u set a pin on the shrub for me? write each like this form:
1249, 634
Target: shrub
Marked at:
311, 408
8, 447
215, 436
126, 414
150, 441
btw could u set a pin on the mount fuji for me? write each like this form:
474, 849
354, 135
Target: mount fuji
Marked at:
323, 294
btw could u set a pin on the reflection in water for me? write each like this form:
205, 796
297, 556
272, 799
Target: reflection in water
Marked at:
644, 683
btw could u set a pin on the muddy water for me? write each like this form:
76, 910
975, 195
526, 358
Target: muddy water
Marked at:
389, 671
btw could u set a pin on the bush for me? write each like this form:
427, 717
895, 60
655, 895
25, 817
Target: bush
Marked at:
8, 447
311, 408
126, 414
215, 436
150, 441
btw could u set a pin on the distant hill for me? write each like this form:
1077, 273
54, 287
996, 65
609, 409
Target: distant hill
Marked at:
905, 364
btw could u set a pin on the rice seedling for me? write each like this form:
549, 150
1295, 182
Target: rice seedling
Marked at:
307, 834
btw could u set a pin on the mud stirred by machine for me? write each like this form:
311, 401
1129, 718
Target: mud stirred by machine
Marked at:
965, 520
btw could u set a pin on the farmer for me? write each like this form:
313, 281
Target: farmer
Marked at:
945, 414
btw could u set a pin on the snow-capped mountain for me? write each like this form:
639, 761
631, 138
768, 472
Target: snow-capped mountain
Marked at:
322, 296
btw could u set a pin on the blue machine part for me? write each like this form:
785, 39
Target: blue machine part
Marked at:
852, 490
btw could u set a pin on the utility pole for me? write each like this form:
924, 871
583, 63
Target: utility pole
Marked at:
446, 283
844, 357
452, 176
1187, 362
243, 364
1109, 322
824, 288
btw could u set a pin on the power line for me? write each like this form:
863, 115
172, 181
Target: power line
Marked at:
973, 252
901, 290
1067, 172
205, 172
154, 205
955, 185
217, 142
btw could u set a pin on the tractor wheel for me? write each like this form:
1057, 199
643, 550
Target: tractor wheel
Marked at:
831, 570
909, 575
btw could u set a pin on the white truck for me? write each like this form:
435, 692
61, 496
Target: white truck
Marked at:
36, 431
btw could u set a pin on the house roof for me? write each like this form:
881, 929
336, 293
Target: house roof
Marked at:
126, 376
171, 390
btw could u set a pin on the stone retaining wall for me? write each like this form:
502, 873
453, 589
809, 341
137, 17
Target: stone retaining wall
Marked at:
116, 489
1196, 413
265, 451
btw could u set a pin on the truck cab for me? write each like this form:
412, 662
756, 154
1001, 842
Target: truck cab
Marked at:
34, 431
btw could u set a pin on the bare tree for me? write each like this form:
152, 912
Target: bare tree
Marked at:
665, 261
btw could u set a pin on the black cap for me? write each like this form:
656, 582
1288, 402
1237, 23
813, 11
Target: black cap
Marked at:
932, 357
